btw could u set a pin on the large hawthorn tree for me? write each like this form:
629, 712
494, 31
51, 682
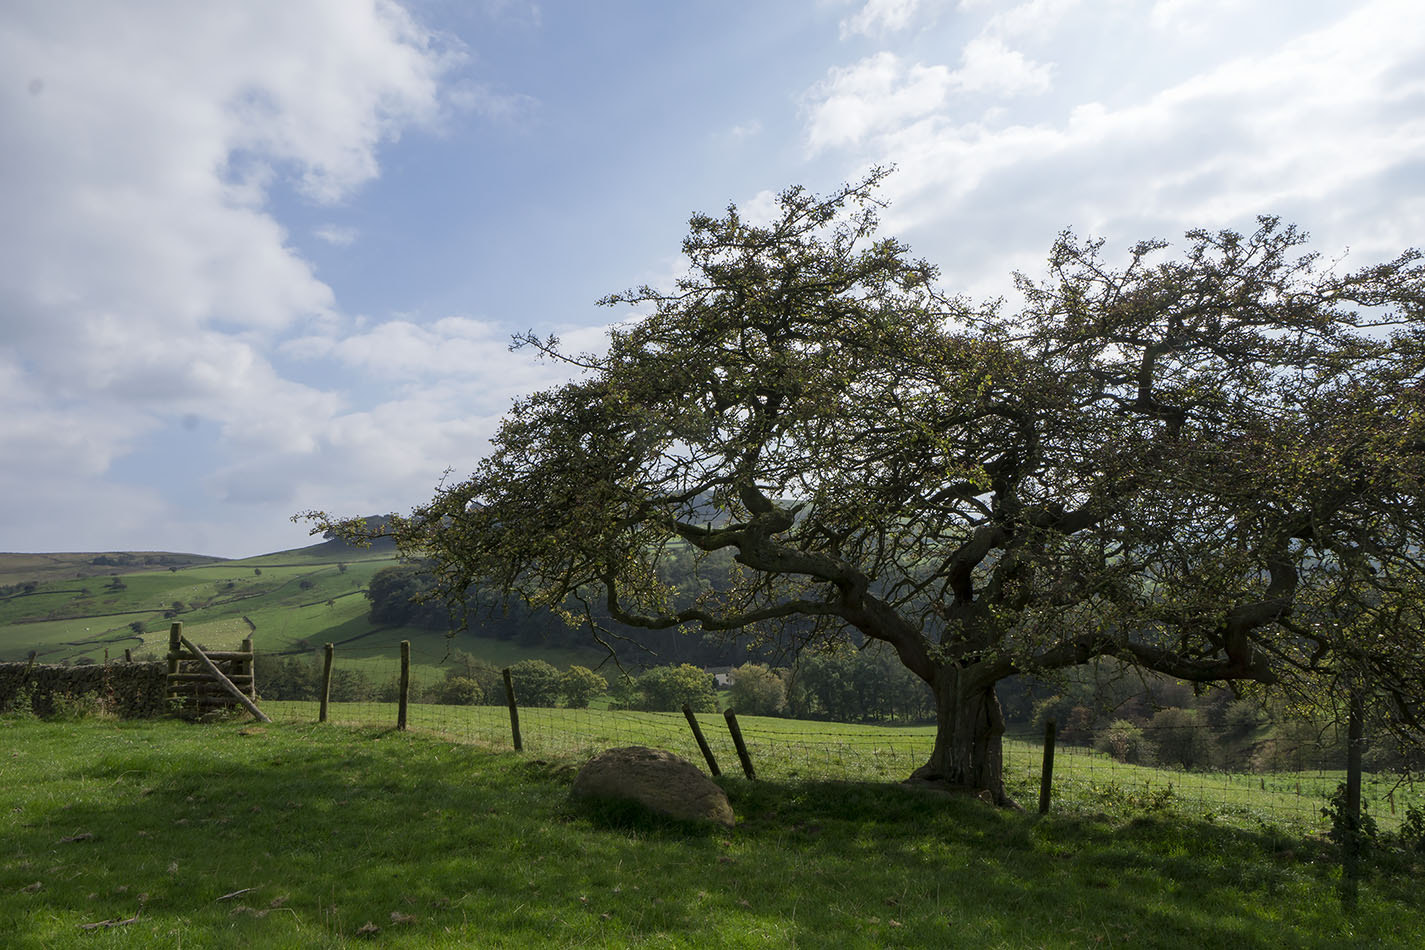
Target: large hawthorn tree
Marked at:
1186, 464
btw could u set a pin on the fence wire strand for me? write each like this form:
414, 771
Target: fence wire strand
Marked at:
1291, 785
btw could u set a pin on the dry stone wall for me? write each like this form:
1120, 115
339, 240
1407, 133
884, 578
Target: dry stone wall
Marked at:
129, 690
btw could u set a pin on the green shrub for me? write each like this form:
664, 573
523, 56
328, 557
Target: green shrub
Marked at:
757, 690
1125, 742
21, 703
537, 682
1243, 717
350, 686
669, 688
1343, 823
1412, 829
1180, 737
579, 684
460, 690
74, 707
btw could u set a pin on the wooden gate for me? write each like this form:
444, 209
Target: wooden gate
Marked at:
204, 681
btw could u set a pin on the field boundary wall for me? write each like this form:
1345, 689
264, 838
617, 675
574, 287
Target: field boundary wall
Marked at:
128, 690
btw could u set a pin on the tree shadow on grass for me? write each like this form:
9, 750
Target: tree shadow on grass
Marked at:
325, 830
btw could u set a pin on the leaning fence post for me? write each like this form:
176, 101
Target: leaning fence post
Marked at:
1046, 776
702, 743
326, 682
405, 684
743, 757
514, 710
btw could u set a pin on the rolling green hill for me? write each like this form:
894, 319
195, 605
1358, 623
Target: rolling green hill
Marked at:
21, 569
289, 602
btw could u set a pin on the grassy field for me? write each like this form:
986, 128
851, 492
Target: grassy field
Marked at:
792, 750
289, 601
232, 835
46, 568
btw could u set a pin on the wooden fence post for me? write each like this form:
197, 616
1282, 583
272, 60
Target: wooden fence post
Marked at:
326, 682
1355, 732
249, 666
405, 684
514, 710
1046, 775
702, 743
743, 757
175, 644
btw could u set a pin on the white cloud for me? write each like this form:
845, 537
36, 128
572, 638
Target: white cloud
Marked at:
762, 209
879, 17
337, 235
402, 349
746, 130
883, 92
1177, 16
1034, 18
488, 102
520, 11
1324, 128
877, 93
142, 275
990, 66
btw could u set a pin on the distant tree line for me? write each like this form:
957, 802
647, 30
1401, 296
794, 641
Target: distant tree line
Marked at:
129, 559
1135, 715
405, 596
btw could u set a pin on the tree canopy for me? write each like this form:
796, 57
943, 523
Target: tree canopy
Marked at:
1208, 466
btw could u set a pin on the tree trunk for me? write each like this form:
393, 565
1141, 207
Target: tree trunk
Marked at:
968, 752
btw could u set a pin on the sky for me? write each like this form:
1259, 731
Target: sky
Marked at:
264, 257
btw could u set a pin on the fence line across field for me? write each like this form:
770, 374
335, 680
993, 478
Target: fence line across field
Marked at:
788, 749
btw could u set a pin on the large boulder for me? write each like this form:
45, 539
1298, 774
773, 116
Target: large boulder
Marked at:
659, 781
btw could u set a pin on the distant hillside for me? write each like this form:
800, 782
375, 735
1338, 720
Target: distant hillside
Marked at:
43, 568
81, 607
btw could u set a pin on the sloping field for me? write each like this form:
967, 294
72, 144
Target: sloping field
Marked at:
45, 568
289, 602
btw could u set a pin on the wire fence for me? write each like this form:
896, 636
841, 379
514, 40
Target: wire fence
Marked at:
1269, 783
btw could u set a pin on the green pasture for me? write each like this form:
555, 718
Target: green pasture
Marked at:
47, 568
290, 602
290, 598
234, 835
793, 750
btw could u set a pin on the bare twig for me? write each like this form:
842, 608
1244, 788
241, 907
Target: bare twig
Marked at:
109, 923
238, 893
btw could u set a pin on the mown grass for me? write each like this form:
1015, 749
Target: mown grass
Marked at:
325, 830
